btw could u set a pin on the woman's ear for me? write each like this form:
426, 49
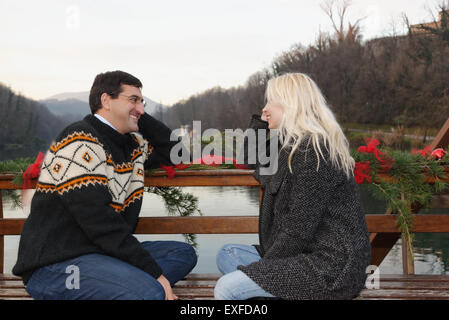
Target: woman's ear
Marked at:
105, 99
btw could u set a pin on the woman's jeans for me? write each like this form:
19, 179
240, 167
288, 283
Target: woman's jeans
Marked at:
235, 285
99, 277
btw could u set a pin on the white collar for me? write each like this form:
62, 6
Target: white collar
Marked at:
104, 121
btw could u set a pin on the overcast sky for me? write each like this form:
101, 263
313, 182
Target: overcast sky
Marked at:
177, 48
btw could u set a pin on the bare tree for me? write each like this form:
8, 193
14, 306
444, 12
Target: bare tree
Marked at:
336, 10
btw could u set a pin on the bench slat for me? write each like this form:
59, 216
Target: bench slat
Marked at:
408, 294
16, 292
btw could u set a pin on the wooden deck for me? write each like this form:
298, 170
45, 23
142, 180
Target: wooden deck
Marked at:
383, 229
201, 287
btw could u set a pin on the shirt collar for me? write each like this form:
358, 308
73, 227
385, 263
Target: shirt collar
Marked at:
104, 121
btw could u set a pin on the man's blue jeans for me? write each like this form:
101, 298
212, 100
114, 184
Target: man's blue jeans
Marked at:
105, 278
236, 285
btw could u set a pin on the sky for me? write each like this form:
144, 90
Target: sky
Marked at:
176, 48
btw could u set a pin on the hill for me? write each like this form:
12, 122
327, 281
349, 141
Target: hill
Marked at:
27, 126
75, 105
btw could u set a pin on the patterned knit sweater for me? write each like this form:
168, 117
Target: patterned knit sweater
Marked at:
313, 236
89, 194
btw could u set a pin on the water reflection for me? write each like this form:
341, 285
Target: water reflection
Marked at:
431, 250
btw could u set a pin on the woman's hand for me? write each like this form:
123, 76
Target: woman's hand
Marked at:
169, 295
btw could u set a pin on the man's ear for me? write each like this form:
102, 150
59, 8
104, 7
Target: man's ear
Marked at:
105, 98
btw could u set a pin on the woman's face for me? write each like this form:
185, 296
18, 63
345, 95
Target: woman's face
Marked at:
272, 113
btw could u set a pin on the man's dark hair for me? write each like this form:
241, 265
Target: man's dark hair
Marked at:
110, 82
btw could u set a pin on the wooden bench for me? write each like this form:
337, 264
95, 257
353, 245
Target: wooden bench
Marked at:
383, 229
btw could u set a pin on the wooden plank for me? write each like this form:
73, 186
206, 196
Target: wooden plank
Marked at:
203, 276
442, 138
219, 177
414, 278
6, 284
4, 276
197, 292
13, 293
414, 285
422, 223
377, 223
198, 225
192, 284
408, 294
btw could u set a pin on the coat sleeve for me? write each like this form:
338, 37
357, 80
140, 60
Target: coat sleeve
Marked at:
158, 136
255, 136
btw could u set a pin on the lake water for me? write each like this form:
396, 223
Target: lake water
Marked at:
431, 250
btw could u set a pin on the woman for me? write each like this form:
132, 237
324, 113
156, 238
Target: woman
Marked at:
314, 242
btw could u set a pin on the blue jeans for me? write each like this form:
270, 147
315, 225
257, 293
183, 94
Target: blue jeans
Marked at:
236, 285
103, 277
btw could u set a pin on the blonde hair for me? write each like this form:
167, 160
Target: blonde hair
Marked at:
306, 114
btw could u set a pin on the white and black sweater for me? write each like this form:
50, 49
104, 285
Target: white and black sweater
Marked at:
89, 194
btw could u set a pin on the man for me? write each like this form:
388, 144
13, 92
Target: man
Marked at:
78, 242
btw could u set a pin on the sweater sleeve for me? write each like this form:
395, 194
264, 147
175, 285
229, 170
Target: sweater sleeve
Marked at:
158, 136
76, 170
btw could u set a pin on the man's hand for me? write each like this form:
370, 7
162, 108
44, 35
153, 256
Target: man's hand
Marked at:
169, 295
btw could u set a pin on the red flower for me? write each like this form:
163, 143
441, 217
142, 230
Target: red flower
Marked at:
170, 171
206, 160
371, 147
33, 171
427, 152
424, 152
438, 153
362, 172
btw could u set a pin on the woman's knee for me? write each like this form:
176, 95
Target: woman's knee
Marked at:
223, 289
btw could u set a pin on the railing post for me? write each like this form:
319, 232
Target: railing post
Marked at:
408, 264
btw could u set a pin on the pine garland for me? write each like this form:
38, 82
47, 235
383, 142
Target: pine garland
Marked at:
406, 190
178, 203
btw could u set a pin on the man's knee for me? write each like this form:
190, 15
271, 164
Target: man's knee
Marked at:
188, 254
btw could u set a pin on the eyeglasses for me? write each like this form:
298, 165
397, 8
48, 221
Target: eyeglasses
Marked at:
135, 99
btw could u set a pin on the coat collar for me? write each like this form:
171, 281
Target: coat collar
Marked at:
274, 181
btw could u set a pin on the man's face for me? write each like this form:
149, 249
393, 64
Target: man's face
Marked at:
126, 109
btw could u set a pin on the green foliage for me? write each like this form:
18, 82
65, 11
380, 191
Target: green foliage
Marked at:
179, 203
15, 166
408, 190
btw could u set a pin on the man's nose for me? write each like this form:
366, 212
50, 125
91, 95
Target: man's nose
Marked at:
140, 108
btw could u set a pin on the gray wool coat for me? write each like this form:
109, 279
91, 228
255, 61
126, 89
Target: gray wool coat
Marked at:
313, 238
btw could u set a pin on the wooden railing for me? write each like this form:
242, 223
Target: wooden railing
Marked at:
383, 228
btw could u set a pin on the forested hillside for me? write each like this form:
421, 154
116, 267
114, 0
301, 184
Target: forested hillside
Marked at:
26, 126
397, 80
